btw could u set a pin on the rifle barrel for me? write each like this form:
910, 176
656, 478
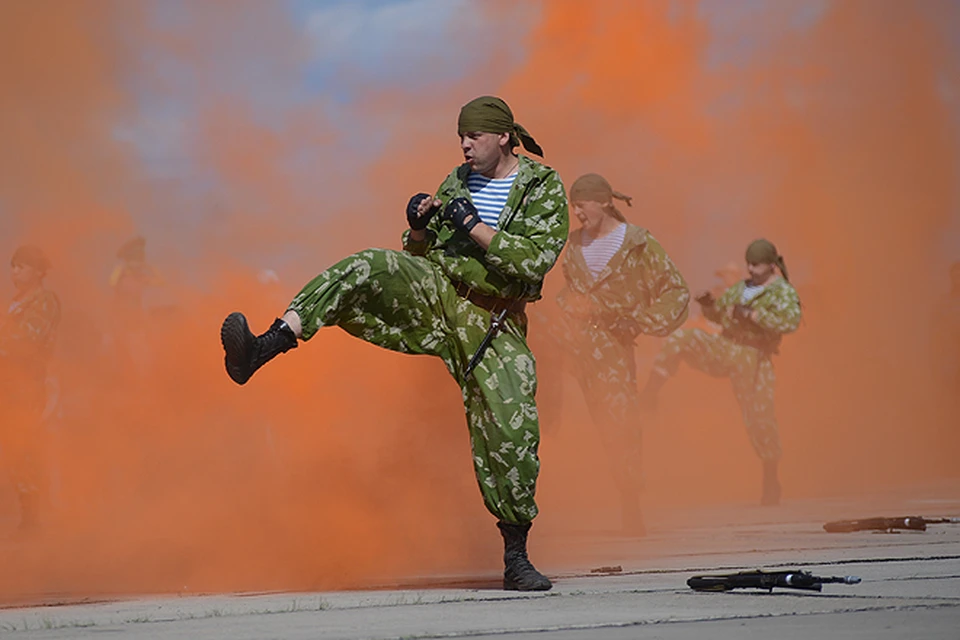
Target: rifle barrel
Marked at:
792, 579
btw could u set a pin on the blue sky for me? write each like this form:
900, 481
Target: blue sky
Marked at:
332, 52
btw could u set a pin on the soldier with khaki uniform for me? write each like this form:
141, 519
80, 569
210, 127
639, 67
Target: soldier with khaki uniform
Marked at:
503, 226
755, 314
27, 335
620, 284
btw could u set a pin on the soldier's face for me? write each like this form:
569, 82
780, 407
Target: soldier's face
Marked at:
760, 273
24, 276
589, 213
481, 150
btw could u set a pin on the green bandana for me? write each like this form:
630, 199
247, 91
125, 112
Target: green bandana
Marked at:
489, 114
595, 188
764, 252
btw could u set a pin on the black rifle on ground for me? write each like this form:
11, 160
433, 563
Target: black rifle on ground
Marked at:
496, 323
792, 579
911, 523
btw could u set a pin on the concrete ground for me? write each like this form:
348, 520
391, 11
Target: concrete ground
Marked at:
910, 588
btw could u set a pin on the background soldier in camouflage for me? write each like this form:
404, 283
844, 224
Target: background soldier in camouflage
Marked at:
437, 297
131, 278
620, 284
755, 314
27, 335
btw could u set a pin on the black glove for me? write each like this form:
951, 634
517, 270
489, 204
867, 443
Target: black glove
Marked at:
705, 299
416, 221
741, 312
462, 214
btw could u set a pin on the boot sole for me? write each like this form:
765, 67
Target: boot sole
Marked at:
513, 586
233, 337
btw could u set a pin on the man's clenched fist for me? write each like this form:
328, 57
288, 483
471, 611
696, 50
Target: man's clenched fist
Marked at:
419, 211
463, 214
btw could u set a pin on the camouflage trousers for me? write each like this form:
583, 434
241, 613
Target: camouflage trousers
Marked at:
405, 303
606, 370
750, 371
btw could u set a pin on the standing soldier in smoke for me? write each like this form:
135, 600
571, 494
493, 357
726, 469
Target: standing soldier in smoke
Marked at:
27, 335
755, 314
620, 284
130, 279
502, 227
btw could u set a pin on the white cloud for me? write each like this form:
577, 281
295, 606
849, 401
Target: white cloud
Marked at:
404, 39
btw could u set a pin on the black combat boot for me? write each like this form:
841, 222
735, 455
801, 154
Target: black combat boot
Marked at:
518, 573
771, 484
246, 352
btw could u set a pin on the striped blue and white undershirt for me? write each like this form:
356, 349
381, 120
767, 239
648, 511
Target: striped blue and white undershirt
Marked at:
750, 292
489, 196
597, 252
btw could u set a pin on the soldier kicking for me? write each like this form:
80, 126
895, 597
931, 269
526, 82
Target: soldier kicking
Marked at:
503, 225
754, 313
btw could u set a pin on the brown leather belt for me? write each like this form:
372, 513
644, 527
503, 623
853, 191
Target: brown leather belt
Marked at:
493, 304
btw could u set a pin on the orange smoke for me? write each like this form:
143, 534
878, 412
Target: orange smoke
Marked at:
344, 465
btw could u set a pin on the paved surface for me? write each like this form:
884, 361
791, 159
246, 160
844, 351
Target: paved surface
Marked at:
910, 588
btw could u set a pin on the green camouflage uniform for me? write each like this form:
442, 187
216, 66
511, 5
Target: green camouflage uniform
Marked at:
640, 291
27, 336
406, 301
742, 353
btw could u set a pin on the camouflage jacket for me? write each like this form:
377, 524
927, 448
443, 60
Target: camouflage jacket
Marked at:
530, 235
778, 312
639, 283
28, 333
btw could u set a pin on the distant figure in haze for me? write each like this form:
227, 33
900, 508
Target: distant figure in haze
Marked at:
620, 284
754, 313
27, 335
132, 276
503, 226
129, 280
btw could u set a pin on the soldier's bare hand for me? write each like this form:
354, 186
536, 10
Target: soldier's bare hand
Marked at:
705, 299
742, 313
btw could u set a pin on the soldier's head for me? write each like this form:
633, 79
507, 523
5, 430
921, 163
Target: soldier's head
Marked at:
28, 267
591, 200
763, 260
133, 251
489, 134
